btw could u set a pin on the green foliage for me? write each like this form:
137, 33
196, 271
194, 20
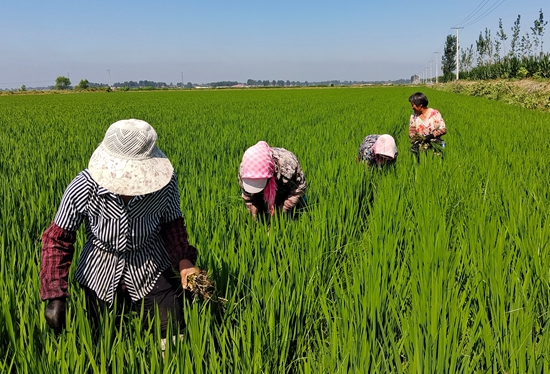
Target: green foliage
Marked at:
62, 83
448, 60
429, 266
83, 85
525, 93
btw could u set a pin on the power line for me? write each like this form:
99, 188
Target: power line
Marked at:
480, 6
495, 5
468, 19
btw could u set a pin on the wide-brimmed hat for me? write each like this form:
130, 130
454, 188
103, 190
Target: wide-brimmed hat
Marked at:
385, 145
128, 161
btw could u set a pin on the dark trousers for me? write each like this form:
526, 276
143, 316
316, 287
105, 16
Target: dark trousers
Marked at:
167, 295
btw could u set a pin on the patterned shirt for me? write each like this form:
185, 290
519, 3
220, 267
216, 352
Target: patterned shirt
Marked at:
125, 243
365, 149
434, 124
291, 183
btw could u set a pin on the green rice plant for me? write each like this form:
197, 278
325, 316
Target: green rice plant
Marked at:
431, 265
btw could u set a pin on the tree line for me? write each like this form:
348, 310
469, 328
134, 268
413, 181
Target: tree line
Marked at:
491, 59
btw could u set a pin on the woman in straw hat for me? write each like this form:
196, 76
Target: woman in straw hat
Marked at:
270, 178
377, 150
129, 202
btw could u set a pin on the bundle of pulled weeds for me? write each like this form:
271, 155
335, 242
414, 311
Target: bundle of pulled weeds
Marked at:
420, 144
201, 286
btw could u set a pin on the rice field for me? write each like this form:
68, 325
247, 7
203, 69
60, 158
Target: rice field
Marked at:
436, 266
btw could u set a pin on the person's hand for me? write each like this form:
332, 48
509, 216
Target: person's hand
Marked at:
186, 269
429, 137
253, 210
289, 203
55, 314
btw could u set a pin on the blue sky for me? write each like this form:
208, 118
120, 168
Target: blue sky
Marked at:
209, 41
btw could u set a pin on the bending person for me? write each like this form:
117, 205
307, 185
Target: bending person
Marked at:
271, 178
378, 150
129, 202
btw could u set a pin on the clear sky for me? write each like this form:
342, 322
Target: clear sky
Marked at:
209, 41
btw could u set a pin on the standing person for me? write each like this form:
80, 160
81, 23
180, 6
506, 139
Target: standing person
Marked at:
378, 150
270, 178
129, 202
426, 126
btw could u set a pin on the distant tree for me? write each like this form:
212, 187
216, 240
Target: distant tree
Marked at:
287, 83
488, 46
480, 49
538, 31
448, 60
23, 88
280, 83
62, 83
484, 47
83, 85
501, 40
515, 37
466, 58
526, 46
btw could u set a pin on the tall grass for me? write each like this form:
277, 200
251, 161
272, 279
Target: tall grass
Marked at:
433, 265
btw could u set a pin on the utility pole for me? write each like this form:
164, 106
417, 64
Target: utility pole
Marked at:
431, 72
436, 72
182, 79
109, 71
457, 49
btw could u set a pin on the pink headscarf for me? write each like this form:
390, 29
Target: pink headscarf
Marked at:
258, 163
385, 145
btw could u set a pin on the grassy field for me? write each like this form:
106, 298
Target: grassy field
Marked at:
437, 266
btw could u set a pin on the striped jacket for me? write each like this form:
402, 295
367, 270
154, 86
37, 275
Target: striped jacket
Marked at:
131, 243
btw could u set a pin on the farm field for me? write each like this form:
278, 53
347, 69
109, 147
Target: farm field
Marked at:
436, 266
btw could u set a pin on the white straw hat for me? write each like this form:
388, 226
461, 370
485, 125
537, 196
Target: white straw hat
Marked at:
128, 161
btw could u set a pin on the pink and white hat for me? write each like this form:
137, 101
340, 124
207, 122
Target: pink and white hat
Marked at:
257, 167
128, 161
257, 170
385, 145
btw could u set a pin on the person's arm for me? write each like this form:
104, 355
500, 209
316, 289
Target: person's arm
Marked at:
412, 127
59, 238
439, 132
295, 194
58, 250
174, 233
251, 204
439, 125
56, 258
182, 255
